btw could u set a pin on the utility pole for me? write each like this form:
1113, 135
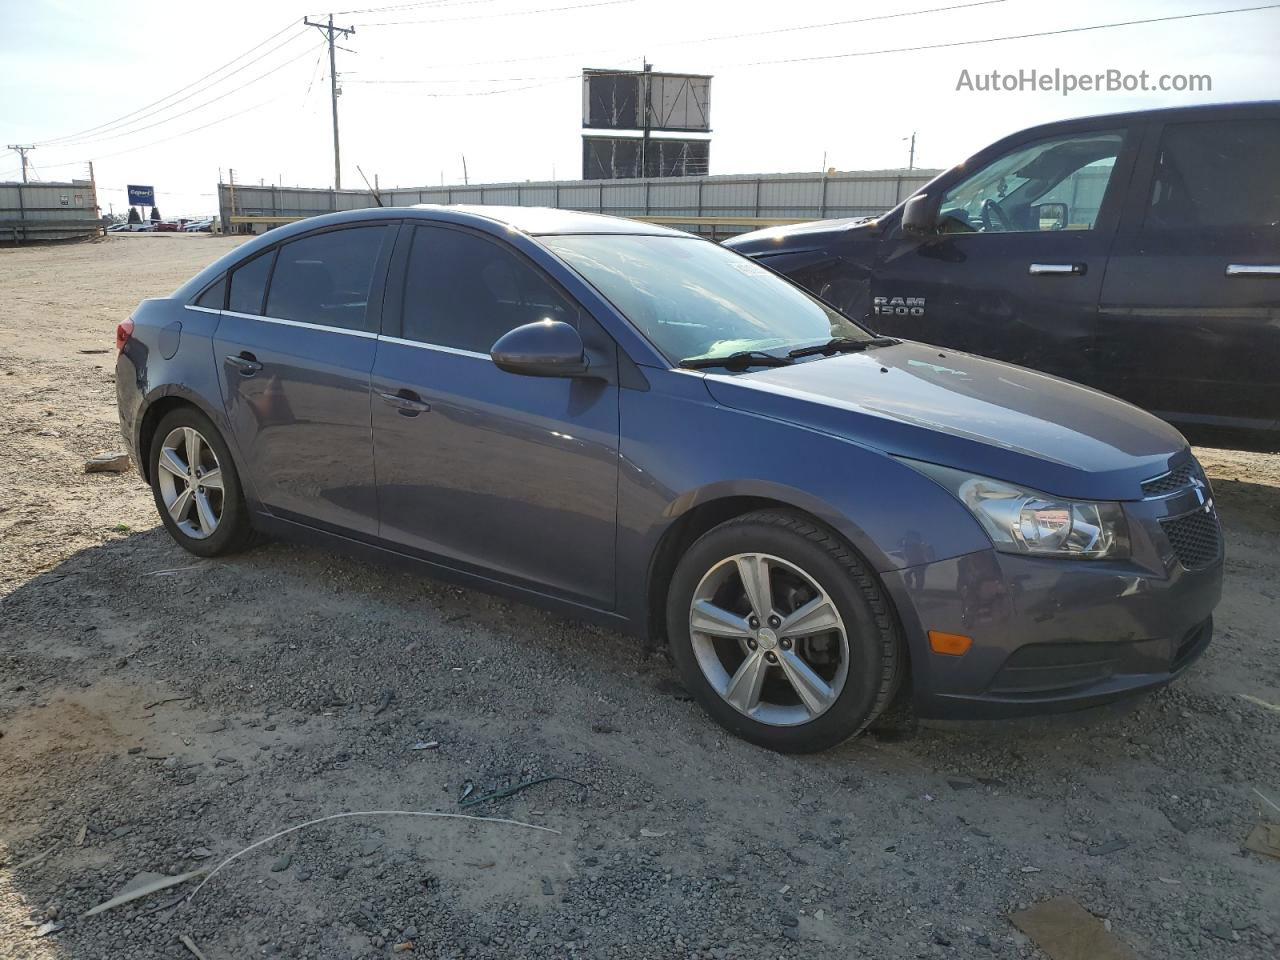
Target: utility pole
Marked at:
645, 82
911, 157
465, 181
329, 30
22, 152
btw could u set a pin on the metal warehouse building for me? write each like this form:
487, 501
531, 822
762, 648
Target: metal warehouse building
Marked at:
48, 211
715, 206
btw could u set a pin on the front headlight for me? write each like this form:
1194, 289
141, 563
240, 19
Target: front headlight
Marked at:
1019, 520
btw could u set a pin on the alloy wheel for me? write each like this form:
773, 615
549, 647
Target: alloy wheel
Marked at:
190, 480
769, 639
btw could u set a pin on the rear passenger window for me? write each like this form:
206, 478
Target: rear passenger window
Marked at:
214, 295
327, 278
249, 284
1217, 173
464, 291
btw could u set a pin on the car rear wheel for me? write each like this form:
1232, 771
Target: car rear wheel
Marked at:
196, 486
782, 632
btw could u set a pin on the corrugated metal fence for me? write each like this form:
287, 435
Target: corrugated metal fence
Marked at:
48, 211
722, 205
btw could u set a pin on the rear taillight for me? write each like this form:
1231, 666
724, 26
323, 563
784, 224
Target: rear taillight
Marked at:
124, 330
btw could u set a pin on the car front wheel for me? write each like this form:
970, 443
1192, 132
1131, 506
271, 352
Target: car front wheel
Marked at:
782, 632
196, 486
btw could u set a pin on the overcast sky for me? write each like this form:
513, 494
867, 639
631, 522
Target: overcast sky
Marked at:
501, 82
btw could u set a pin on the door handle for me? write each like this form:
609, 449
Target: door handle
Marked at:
1253, 269
245, 362
406, 402
1057, 269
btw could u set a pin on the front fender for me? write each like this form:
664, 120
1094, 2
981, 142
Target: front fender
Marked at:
680, 451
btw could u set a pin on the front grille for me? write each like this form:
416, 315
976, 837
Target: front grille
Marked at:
1172, 481
1196, 538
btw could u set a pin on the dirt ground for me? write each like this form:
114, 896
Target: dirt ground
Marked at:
158, 715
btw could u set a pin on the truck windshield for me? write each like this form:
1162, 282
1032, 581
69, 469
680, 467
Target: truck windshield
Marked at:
696, 300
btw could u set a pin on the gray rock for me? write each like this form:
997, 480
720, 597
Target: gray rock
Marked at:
282, 863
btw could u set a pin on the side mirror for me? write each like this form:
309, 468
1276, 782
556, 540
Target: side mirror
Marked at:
918, 218
546, 348
1049, 216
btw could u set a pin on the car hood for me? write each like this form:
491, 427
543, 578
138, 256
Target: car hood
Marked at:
996, 419
799, 237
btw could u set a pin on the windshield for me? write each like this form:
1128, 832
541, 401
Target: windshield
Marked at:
694, 299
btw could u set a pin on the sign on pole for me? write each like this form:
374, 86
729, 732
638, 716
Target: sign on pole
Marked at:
141, 196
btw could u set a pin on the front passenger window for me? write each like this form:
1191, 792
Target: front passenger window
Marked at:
1053, 184
464, 291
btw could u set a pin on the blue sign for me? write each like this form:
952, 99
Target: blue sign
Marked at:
142, 196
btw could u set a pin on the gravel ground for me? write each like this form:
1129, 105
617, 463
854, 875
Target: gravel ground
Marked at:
157, 715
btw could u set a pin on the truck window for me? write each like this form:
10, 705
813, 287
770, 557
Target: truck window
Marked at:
1053, 184
1216, 173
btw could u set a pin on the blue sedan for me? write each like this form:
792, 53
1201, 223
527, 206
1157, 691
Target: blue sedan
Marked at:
636, 426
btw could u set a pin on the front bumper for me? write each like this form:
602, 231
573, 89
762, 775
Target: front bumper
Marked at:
1051, 634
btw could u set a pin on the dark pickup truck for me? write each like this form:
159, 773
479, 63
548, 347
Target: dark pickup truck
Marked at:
1138, 253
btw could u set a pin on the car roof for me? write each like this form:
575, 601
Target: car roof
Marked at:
544, 221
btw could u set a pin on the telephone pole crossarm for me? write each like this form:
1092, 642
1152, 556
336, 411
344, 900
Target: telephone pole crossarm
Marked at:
330, 31
22, 152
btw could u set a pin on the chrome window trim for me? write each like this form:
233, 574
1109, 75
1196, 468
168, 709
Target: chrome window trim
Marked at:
192, 306
437, 347
363, 334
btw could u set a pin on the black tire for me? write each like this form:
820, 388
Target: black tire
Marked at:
875, 645
234, 531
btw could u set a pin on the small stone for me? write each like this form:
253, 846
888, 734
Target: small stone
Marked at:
1221, 930
211, 726
409, 933
107, 463
340, 872
282, 863
370, 846
119, 832
791, 933
134, 751
1111, 846
941, 939
1078, 837
547, 889
200, 853
788, 921
961, 784
303, 874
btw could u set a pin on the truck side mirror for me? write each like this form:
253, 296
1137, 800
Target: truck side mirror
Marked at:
918, 218
1049, 216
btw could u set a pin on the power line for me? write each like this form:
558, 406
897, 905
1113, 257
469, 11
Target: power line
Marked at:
200, 106
205, 126
835, 56
732, 36
512, 13
419, 3
1017, 36
132, 113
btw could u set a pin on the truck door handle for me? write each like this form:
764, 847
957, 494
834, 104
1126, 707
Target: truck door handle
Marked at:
1253, 269
245, 362
406, 402
1057, 269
